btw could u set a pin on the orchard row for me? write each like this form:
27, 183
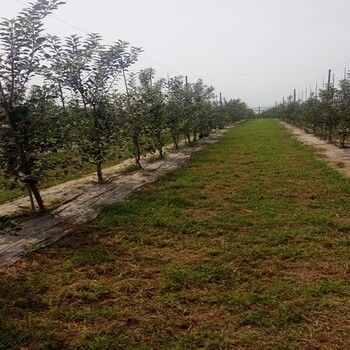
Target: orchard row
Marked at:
76, 112
325, 113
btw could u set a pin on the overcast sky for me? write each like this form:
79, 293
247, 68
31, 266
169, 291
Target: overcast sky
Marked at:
255, 50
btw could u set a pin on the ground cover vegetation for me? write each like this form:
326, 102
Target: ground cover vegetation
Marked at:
325, 113
246, 247
76, 118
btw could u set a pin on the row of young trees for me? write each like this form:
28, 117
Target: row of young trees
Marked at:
76, 110
326, 114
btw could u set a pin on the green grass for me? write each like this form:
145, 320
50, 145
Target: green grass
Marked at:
247, 247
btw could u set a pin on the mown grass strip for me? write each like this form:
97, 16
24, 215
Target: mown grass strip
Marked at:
247, 247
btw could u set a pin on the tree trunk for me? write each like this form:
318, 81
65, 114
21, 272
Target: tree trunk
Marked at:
30, 193
159, 143
175, 141
342, 141
160, 150
99, 172
137, 154
330, 136
137, 161
34, 189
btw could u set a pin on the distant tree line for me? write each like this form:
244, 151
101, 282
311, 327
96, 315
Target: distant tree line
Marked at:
76, 113
325, 113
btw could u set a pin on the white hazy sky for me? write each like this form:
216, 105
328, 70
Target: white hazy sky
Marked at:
255, 50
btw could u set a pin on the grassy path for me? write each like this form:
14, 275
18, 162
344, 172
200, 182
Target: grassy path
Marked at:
246, 248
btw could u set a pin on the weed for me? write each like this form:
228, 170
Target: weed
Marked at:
178, 277
93, 255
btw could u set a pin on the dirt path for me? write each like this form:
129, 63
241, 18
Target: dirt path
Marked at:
337, 158
78, 201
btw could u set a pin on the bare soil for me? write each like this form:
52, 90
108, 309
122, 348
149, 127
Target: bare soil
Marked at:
337, 158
